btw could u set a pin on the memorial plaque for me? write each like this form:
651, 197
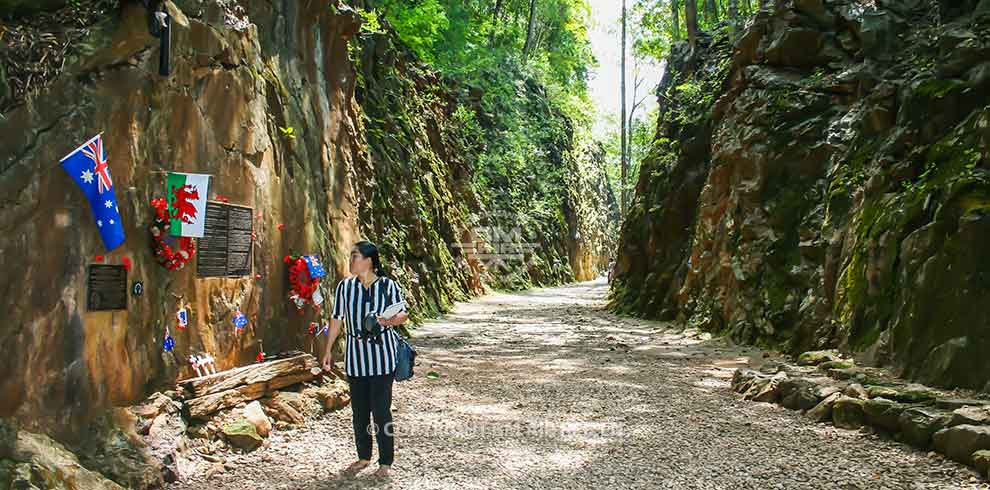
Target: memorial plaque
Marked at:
240, 225
106, 287
225, 248
211, 249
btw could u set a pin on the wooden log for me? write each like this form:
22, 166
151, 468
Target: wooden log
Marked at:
250, 374
226, 389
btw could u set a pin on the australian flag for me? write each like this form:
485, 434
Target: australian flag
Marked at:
89, 168
314, 266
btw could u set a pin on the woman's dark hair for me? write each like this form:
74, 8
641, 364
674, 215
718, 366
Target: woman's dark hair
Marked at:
370, 250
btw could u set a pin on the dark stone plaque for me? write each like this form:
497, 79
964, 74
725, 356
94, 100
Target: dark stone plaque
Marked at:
106, 287
225, 248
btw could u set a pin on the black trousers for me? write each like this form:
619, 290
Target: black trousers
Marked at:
372, 395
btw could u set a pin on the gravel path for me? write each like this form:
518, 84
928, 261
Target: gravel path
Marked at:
547, 390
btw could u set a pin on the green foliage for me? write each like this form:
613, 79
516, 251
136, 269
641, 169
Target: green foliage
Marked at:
641, 141
690, 89
652, 29
532, 105
508, 128
693, 101
289, 132
946, 163
935, 88
370, 21
463, 39
420, 25
471, 133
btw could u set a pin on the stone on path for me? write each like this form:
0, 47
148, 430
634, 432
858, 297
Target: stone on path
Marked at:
847, 413
970, 416
242, 434
918, 425
981, 460
960, 442
814, 358
253, 413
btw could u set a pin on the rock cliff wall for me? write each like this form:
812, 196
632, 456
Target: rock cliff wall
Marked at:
330, 132
820, 179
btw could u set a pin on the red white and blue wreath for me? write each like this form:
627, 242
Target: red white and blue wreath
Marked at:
171, 252
305, 272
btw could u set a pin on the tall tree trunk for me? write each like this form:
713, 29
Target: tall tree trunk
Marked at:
529, 31
691, 19
675, 16
625, 163
733, 11
495, 13
711, 11
637, 81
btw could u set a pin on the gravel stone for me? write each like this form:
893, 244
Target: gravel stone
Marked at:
526, 399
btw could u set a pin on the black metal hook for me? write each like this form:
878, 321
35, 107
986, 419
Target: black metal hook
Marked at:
160, 26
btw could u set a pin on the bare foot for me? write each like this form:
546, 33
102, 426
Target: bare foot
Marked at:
382, 471
355, 467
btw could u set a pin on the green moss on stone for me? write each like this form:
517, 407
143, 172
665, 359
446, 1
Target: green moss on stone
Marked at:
825, 366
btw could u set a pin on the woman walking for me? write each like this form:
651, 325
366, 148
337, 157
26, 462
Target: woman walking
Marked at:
369, 360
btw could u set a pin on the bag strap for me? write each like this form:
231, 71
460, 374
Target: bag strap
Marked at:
381, 293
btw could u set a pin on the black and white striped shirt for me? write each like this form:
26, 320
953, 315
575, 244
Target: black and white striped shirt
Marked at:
362, 356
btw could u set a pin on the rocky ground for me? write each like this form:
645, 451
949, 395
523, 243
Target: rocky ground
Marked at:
547, 390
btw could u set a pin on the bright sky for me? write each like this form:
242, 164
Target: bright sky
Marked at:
606, 32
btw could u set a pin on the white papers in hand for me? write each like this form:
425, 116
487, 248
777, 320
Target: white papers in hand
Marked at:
393, 310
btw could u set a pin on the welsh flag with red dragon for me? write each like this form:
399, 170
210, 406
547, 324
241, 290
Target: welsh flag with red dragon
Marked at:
187, 203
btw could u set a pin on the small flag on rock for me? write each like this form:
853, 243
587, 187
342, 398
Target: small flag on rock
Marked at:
240, 321
315, 267
187, 203
183, 316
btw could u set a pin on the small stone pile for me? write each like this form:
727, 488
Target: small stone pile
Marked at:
161, 440
188, 446
829, 388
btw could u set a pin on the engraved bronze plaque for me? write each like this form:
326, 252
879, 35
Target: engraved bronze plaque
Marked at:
106, 287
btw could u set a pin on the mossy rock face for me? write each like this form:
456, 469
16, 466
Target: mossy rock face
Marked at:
242, 434
880, 254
